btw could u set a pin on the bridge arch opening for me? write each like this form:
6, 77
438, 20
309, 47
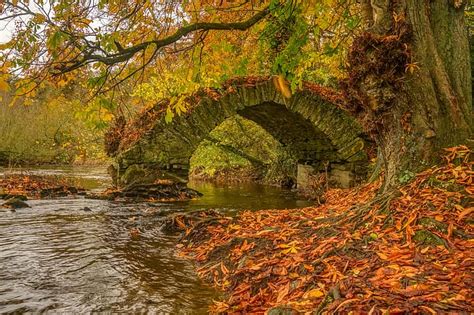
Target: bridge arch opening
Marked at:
240, 150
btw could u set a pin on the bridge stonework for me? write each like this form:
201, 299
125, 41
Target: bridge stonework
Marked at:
319, 134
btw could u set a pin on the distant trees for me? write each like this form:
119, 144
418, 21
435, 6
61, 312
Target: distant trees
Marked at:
52, 128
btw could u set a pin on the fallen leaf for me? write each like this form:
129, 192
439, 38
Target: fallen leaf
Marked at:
313, 294
344, 303
465, 213
283, 292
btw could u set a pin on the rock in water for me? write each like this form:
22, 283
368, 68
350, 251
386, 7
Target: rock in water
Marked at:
151, 192
86, 209
9, 196
15, 203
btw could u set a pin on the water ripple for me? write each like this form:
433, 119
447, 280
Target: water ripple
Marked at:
57, 258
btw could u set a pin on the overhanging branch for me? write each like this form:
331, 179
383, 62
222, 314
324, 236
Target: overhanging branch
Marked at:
128, 53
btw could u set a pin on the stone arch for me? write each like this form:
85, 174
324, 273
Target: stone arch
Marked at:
308, 123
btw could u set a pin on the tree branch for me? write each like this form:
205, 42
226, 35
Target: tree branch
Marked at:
128, 53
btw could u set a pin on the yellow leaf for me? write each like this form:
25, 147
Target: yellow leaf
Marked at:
293, 275
291, 250
39, 18
282, 85
6, 46
4, 86
382, 256
234, 227
314, 294
85, 21
394, 266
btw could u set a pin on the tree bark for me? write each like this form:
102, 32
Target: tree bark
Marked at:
414, 113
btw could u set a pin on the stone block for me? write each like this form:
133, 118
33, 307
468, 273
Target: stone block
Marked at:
355, 146
343, 179
134, 173
303, 175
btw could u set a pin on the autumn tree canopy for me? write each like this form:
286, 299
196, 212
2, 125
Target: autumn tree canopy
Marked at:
189, 43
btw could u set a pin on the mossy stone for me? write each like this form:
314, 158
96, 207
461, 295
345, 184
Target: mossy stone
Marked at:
425, 237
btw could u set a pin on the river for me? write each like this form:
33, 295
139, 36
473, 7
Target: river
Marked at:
56, 257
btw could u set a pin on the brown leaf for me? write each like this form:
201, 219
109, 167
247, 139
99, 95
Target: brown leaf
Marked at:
283, 292
465, 213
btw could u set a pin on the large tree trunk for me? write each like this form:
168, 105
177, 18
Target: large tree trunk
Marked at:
414, 95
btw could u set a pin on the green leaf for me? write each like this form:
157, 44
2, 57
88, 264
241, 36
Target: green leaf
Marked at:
352, 22
107, 104
328, 50
96, 81
169, 115
56, 40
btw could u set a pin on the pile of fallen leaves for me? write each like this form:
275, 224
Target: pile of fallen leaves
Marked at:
361, 251
33, 186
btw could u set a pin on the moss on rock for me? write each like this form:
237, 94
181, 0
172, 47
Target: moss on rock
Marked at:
425, 237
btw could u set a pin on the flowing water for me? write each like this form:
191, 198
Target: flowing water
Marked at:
57, 257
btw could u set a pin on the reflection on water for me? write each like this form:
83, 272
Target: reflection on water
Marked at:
57, 257
242, 196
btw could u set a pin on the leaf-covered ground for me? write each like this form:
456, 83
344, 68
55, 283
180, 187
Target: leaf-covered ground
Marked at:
405, 252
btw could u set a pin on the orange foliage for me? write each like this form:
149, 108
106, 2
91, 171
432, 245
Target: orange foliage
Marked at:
357, 252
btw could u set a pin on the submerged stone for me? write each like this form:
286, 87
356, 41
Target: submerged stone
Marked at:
9, 196
15, 203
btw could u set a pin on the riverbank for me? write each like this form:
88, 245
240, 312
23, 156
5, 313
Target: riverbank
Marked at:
37, 187
407, 251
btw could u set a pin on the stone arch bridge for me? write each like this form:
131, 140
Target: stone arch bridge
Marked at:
309, 124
